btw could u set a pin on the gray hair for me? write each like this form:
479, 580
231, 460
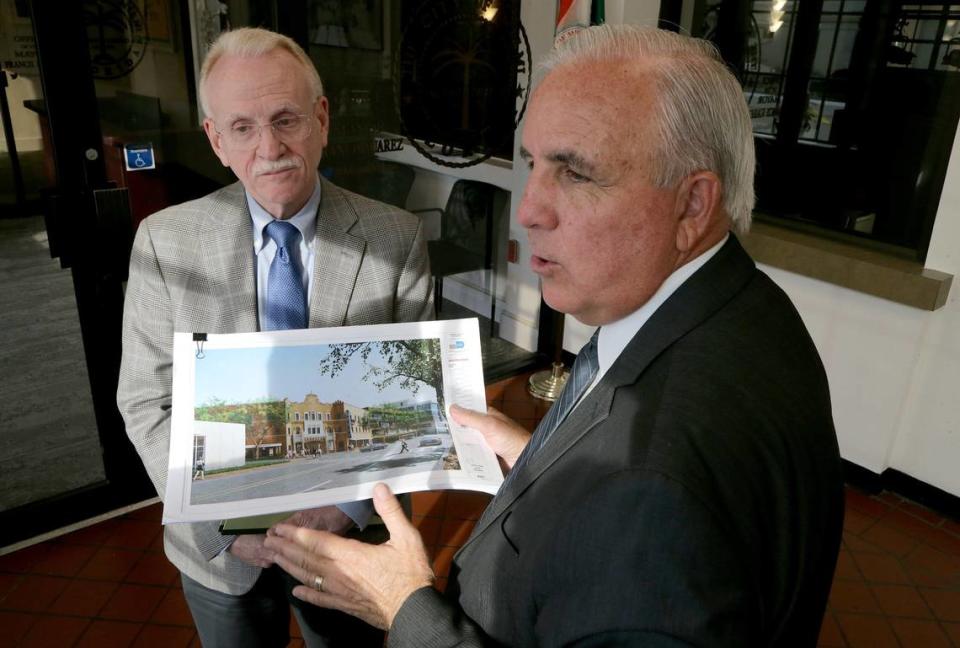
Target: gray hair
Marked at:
702, 120
251, 42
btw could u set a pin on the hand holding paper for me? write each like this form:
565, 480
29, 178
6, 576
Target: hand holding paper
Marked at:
368, 581
506, 437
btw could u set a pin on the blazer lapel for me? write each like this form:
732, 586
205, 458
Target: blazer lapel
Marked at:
337, 260
228, 257
715, 284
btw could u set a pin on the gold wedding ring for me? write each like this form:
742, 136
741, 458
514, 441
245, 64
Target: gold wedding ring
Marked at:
318, 583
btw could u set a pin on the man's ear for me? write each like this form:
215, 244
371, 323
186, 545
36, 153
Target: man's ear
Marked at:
699, 209
211, 130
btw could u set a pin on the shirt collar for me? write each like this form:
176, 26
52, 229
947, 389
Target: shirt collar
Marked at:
304, 220
615, 336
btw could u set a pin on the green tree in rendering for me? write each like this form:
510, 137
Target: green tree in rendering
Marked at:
410, 364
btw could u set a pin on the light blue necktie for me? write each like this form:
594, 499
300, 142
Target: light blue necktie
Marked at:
286, 303
582, 373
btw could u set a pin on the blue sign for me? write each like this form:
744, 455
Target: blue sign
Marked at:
139, 157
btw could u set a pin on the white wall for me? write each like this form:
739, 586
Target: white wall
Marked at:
225, 443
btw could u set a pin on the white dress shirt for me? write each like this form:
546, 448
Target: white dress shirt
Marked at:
264, 249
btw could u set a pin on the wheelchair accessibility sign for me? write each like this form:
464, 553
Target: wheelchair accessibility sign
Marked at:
139, 157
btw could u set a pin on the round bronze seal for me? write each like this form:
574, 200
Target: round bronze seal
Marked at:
116, 36
461, 81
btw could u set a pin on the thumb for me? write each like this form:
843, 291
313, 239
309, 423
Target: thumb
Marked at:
388, 508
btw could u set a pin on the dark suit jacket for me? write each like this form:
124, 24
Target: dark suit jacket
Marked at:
694, 497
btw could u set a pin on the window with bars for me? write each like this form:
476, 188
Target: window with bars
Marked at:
854, 106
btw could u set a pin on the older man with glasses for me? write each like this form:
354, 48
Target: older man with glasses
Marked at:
281, 249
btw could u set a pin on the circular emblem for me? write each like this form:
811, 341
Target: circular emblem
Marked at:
462, 81
116, 36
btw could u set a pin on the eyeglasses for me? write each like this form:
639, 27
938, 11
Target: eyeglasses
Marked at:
246, 134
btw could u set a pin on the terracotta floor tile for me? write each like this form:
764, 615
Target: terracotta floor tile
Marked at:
907, 524
901, 601
846, 567
856, 522
860, 501
173, 610
133, 534
932, 568
196, 643
63, 560
20, 562
944, 603
83, 598
830, 635
953, 631
152, 569
519, 409
133, 603
34, 593
109, 634
8, 582
453, 533
916, 633
889, 497
157, 545
951, 526
856, 543
927, 515
295, 643
495, 391
442, 560
429, 503
294, 628
429, 528
880, 568
152, 513
866, 631
155, 636
51, 631
890, 539
516, 389
849, 596
110, 563
944, 541
15, 625
95, 534
464, 505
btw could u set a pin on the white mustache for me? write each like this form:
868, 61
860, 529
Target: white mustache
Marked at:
272, 166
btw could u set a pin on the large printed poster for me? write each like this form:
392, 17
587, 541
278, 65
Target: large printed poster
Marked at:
289, 420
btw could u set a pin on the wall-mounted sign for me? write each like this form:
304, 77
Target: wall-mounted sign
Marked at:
18, 50
139, 157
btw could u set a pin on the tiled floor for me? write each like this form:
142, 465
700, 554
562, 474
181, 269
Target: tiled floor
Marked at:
897, 581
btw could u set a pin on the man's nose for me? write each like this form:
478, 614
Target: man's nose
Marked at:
269, 146
536, 208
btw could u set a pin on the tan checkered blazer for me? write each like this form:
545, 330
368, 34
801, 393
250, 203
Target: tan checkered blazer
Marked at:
192, 269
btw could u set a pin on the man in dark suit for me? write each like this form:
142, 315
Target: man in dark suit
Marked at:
691, 492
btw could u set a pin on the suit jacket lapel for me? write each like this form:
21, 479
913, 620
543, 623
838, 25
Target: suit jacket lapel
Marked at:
227, 244
337, 261
716, 283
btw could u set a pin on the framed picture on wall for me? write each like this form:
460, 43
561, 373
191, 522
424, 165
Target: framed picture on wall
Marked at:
346, 23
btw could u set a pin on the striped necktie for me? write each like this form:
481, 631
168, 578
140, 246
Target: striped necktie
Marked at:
582, 373
286, 302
